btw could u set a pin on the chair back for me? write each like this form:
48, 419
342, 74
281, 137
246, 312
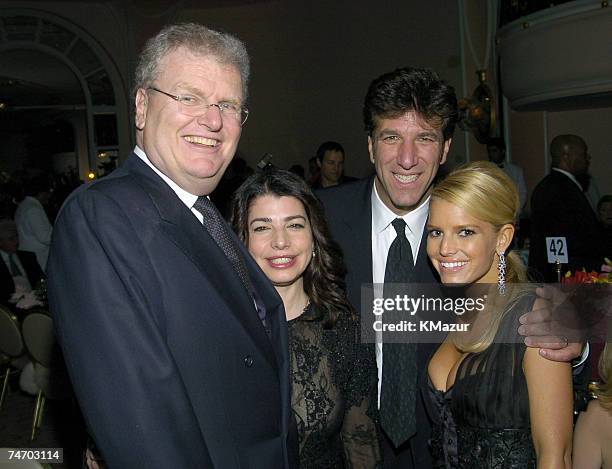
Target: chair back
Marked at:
50, 374
39, 339
11, 341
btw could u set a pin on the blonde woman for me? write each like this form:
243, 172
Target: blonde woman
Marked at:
593, 435
493, 401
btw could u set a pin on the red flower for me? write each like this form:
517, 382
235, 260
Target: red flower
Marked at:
582, 276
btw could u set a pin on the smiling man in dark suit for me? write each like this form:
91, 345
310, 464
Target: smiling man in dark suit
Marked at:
175, 341
409, 116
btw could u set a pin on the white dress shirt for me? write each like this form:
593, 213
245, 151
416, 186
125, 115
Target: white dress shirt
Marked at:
383, 235
187, 198
34, 229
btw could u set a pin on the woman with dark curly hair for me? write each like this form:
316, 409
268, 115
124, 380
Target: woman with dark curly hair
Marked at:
333, 375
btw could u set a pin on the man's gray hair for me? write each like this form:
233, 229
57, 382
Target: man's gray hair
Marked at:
198, 39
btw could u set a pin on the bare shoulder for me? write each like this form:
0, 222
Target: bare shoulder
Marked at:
539, 369
598, 416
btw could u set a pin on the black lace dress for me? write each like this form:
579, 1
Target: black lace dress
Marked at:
483, 419
333, 383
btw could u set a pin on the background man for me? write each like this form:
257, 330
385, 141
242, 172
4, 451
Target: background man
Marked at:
32, 221
559, 208
496, 149
410, 116
330, 160
175, 341
20, 270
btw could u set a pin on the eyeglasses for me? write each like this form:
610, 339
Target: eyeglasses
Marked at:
195, 106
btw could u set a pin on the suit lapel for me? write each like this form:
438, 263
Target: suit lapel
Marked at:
275, 312
358, 226
183, 229
6, 278
579, 195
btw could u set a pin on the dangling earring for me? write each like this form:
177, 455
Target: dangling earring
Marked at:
313, 253
501, 274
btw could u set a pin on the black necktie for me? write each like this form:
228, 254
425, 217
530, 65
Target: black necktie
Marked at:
399, 371
219, 231
15, 272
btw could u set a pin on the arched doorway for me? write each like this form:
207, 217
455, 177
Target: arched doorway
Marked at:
52, 71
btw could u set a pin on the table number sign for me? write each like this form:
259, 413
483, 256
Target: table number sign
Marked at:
556, 248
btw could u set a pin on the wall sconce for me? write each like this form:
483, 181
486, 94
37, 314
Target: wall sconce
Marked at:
477, 112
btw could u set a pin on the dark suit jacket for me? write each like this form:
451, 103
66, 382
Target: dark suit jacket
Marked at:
316, 184
349, 212
31, 267
168, 358
560, 208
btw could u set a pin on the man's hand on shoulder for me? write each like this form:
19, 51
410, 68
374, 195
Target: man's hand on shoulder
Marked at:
553, 326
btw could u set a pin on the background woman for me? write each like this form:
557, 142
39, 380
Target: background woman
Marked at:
494, 402
281, 221
593, 435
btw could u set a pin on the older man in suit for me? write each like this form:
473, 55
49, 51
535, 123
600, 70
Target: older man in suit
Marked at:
19, 270
175, 341
379, 222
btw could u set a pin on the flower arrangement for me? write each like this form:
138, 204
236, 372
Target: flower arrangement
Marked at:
582, 276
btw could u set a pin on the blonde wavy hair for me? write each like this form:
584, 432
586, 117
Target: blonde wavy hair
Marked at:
488, 194
604, 389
